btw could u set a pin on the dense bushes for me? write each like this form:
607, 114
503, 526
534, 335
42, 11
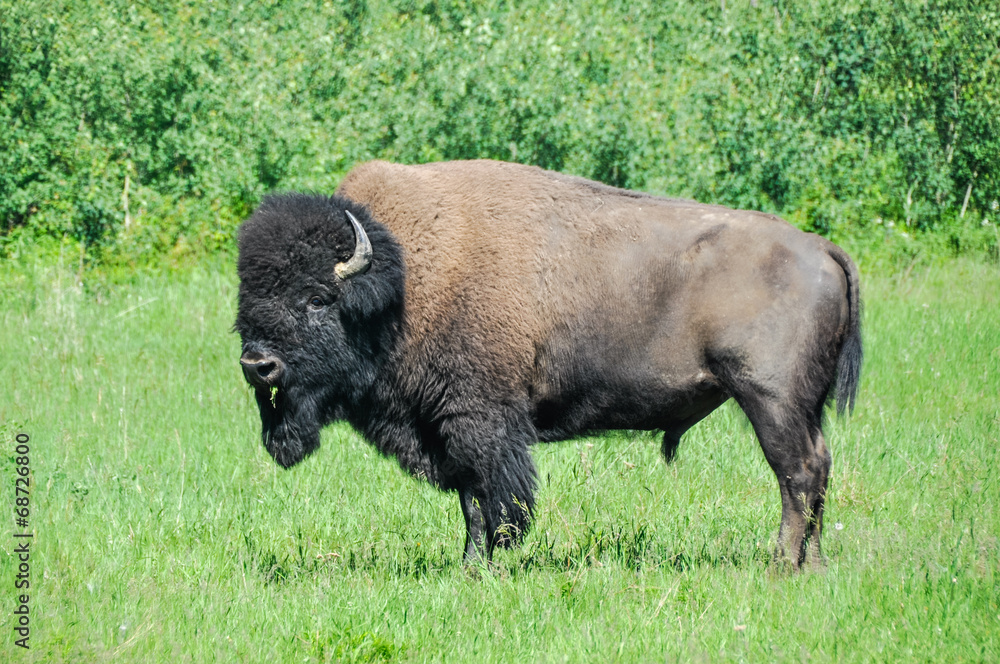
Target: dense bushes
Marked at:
152, 127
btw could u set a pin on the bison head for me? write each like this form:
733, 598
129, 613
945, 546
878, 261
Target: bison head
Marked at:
320, 309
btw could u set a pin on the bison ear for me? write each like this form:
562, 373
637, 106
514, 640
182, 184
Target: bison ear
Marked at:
362, 258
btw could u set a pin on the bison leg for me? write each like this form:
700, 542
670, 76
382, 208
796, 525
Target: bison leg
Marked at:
475, 526
813, 554
489, 460
796, 451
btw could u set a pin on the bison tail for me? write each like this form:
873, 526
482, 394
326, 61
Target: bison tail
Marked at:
851, 351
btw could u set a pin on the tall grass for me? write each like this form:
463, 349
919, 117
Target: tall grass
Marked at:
163, 532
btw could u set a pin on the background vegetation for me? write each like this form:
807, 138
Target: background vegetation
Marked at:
152, 127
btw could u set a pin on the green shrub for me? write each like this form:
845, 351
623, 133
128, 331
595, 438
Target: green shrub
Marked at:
141, 129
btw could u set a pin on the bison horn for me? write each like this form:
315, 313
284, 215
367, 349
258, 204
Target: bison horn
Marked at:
362, 258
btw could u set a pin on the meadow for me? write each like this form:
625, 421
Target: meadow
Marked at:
134, 138
164, 533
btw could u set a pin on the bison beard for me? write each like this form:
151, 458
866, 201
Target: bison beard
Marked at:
289, 427
533, 306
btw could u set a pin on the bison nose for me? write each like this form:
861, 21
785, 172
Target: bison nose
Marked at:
262, 370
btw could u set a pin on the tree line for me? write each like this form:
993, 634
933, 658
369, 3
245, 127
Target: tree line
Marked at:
142, 127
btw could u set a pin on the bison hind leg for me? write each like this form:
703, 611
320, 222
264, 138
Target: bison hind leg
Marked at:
792, 440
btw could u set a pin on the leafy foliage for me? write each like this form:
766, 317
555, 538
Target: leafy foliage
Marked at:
154, 127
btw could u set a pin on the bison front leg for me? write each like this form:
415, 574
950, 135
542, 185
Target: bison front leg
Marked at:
490, 464
475, 526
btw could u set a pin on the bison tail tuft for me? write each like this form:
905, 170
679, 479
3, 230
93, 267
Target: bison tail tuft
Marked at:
851, 352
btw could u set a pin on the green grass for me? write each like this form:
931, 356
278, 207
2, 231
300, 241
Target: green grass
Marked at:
164, 533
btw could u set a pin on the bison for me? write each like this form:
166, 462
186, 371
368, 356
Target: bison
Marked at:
456, 313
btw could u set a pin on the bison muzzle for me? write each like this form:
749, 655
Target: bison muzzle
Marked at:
456, 313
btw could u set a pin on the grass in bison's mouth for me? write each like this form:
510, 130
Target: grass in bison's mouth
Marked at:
267, 397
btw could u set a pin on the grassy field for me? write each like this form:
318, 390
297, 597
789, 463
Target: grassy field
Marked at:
164, 533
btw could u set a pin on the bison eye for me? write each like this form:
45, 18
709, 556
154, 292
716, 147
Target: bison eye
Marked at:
315, 302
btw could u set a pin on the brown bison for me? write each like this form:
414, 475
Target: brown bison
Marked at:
455, 313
